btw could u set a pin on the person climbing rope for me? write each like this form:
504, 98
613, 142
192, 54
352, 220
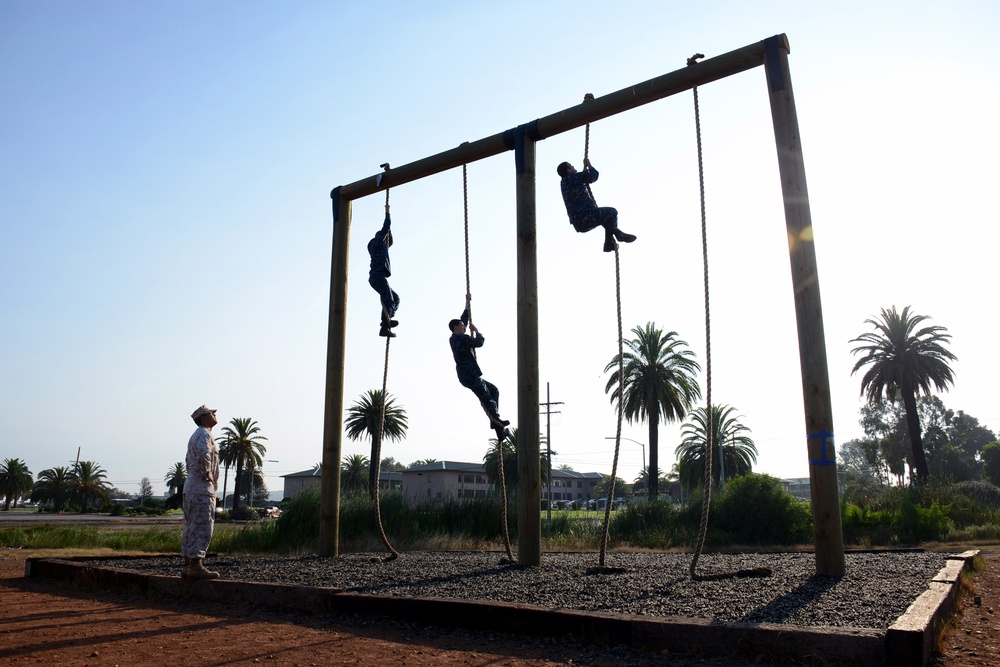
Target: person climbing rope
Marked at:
378, 276
584, 213
469, 373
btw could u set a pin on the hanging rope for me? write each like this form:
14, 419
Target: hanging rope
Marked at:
621, 378
393, 554
468, 272
503, 500
499, 432
589, 97
621, 400
709, 411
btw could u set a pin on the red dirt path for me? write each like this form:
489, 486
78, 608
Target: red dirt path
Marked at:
43, 622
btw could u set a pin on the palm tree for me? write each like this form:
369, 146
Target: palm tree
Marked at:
175, 478
54, 485
227, 459
354, 472
244, 444
737, 452
510, 474
659, 384
363, 421
904, 361
87, 483
15, 481
604, 487
641, 482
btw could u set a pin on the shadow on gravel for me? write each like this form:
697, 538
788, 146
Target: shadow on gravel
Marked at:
785, 606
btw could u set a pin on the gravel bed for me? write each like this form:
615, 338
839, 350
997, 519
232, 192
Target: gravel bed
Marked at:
876, 589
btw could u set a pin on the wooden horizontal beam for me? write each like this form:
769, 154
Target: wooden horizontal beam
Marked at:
590, 111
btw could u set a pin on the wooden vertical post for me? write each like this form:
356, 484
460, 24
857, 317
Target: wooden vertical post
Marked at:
827, 531
333, 409
529, 513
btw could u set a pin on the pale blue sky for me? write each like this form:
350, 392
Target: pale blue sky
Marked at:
166, 228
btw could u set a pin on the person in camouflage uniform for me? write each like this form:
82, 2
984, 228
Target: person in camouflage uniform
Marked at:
584, 213
200, 487
378, 275
469, 373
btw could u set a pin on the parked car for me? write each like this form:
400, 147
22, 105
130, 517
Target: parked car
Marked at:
272, 511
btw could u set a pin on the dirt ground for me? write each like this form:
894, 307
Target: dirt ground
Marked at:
43, 622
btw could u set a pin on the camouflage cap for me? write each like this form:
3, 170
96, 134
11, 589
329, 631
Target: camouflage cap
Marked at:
202, 411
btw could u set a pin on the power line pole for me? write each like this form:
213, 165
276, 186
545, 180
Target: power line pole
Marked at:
548, 445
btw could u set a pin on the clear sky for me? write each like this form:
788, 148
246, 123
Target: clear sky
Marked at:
166, 227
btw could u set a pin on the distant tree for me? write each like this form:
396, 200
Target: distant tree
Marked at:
176, 477
902, 361
641, 482
354, 473
252, 480
565, 467
730, 437
88, 485
422, 462
145, 491
115, 492
245, 445
363, 420
991, 463
389, 464
603, 488
54, 486
965, 432
227, 459
15, 481
510, 471
660, 384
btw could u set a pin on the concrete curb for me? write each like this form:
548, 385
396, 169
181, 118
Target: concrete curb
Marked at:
909, 641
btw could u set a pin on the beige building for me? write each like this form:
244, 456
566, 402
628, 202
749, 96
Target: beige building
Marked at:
297, 481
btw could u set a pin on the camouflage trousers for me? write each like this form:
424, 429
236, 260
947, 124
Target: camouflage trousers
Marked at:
199, 521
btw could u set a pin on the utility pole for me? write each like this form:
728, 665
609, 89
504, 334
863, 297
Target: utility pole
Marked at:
548, 445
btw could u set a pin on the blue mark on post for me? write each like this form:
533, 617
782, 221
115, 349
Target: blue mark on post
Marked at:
823, 435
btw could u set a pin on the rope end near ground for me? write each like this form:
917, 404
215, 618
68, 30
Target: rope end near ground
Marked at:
738, 574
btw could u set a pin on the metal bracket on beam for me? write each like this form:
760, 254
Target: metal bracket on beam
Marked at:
335, 196
772, 63
531, 131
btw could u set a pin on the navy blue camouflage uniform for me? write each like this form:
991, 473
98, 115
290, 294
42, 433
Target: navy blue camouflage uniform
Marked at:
380, 271
584, 213
469, 373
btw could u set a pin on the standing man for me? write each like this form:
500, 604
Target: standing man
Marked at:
469, 373
200, 488
584, 213
378, 275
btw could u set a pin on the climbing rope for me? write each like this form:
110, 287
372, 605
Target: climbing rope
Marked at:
468, 272
589, 97
499, 432
377, 463
621, 375
503, 498
709, 422
621, 401
709, 412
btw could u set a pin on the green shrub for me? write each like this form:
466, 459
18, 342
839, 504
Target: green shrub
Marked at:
756, 509
867, 527
244, 513
654, 524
